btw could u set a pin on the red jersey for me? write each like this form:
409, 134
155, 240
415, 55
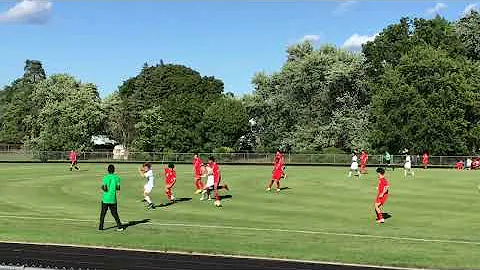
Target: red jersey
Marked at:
382, 184
364, 158
197, 166
73, 156
170, 176
216, 172
425, 158
278, 167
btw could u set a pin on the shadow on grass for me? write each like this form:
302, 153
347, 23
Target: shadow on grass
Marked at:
284, 188
175, 201
386, 215
226, 197
130, 223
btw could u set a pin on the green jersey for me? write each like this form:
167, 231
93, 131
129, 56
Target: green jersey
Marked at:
387, 156
112, 183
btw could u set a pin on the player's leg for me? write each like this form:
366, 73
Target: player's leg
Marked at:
71, 165
146, 194
114, 211
103, 212
277, 181
269, 187
76, 165
378, 210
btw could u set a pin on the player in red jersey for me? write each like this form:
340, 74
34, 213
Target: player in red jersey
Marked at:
217, 177
363, 161
197, 173
382, 194
425, 159
73, 160
170, 180
277, 174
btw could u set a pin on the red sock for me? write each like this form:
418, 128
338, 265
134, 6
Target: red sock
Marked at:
168, 192
379, 215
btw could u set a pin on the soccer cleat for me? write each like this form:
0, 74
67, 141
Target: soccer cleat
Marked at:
381, 220
143, 200
278, 190
121, 229
198, 191
151, 206
268, 189
202, 198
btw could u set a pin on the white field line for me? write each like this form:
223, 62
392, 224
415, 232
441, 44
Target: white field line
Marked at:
323, 232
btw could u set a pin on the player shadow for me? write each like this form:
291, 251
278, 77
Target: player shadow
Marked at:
177, 200
222, 197
284, 188
386, 215
130, 223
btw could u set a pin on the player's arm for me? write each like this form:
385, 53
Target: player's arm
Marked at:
385, 190
141, 171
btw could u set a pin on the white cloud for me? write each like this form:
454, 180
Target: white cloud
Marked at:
470, 8
436, 9
354, 42
311, 38
344, 6
28, 11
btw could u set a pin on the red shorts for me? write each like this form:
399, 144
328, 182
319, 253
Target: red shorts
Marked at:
382, 200
276, 175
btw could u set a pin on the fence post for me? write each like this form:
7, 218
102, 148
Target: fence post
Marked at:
334, 158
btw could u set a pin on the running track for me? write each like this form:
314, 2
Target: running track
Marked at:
67, 257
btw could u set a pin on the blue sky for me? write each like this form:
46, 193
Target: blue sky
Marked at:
108, 42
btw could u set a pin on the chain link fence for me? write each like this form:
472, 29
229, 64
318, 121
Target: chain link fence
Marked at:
233, 158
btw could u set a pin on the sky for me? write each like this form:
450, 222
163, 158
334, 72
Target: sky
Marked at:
107, 42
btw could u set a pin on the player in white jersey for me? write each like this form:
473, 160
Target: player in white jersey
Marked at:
146, 171
408, 166
354, 166
208, 172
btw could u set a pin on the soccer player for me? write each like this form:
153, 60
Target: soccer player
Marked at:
217, 177
468, 164
73, 160
197, 173
382, 194
277, 174
363, 161
279, 157
207, 189
425, 159
354, 166
170, 180
388, 160
459, 165
110, 187
146, 171
408, 166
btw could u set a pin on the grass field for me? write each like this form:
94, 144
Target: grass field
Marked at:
322, 216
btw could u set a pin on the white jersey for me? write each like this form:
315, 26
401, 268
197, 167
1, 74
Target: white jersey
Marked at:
210, 179
149, 176
408, 162
354, 165
469, 163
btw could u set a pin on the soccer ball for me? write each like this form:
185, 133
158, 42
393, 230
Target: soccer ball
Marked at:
218, 203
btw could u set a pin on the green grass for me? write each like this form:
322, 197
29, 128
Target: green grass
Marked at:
322, 216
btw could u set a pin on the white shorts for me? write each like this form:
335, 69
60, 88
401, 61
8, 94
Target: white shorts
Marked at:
354, 166
147, 188
408, 165
210, 181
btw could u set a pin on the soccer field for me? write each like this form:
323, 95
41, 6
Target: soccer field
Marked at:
323, 215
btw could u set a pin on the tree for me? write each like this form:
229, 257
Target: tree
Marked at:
429, 100
296, 107
67, 114
468, 31
34, 71
163, 108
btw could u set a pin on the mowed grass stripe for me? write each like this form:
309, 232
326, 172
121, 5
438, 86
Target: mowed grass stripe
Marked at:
259, 229
316, 218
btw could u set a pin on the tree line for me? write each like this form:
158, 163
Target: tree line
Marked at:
415, 86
